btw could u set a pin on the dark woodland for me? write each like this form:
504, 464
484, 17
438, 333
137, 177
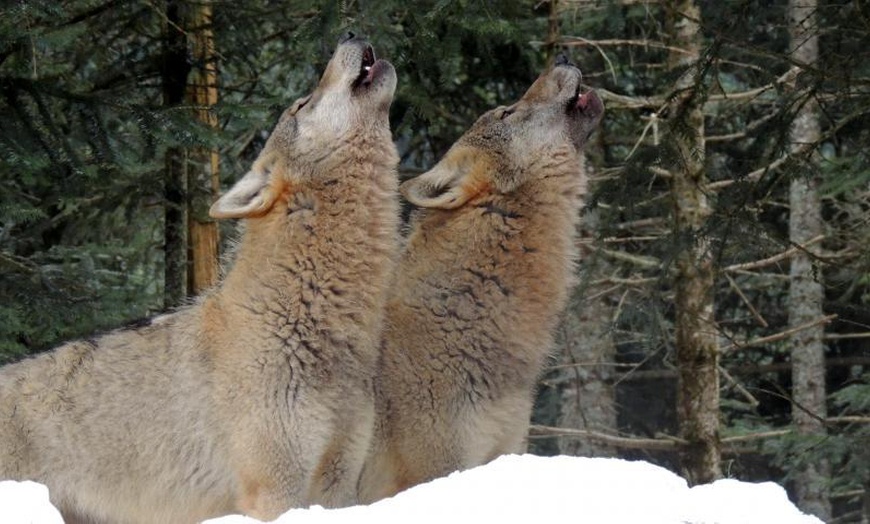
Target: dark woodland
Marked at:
721, 326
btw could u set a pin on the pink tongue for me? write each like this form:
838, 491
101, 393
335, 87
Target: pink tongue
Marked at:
582, 101
370, 74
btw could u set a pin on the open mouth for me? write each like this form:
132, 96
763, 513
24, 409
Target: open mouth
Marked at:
579, 101
586, 103
367, 68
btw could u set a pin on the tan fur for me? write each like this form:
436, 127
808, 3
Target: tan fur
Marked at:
482, 279
259, 397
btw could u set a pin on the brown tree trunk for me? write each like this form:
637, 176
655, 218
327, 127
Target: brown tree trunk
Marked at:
202, 173
191, 175
696, 345
806, 293
174, 75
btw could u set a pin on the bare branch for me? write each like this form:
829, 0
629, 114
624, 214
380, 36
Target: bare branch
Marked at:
842, 336
670, 443
746, 301
774, 259
756, 436
638, 260
847, 420
779, 336
576, 41
743, 391
617, 101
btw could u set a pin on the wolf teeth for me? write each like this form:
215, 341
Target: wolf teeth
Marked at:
367, 68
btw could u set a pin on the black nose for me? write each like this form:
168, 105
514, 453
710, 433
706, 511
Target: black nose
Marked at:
563, 60
346, 37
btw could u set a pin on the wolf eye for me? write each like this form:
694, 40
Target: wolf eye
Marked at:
506, 112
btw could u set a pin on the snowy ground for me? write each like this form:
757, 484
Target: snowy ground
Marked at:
519, 488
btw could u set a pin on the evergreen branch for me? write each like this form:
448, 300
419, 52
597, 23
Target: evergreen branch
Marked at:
81, 17
804, 149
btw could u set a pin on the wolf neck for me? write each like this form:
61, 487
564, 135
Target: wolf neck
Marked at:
326, 226
526, 237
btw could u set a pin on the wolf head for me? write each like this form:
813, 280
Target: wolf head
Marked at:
352, 97
512, 145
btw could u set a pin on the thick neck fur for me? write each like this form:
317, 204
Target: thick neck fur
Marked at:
503, 263
328, 243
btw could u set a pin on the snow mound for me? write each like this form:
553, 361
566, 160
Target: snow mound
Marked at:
589, 490
518, 488
26, 503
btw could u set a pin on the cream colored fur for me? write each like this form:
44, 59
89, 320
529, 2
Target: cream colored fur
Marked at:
486, 271
259, 397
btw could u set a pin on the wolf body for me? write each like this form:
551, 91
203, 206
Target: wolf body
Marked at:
486, 270
258, 398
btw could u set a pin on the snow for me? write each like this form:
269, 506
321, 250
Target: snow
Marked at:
26, 503
520, 488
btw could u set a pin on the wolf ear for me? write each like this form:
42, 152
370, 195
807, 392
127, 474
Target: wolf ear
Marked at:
457, 178
253, 195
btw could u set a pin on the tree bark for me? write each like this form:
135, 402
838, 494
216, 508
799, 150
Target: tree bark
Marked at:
695, 338
176, 67
203, 164
191, 174
806, 294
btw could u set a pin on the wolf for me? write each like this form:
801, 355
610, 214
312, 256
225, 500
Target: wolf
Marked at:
486, 270
258, 397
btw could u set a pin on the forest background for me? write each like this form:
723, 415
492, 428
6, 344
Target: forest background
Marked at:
721, 326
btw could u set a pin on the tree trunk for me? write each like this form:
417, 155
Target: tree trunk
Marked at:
696, 345
174, 75
202, 174
191, 175
806, 293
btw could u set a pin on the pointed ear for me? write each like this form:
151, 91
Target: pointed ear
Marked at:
457, 178
251, 196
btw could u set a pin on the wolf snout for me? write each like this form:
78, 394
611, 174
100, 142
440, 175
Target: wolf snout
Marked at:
346, 37
563, 60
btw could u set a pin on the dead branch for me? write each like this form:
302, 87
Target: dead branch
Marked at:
638, 260
576, 41
666, 444
774, 259
778, 367
842, 336
755, 436
778, 336
847, 420
746, 301
740, 389
643, 222
626, 281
